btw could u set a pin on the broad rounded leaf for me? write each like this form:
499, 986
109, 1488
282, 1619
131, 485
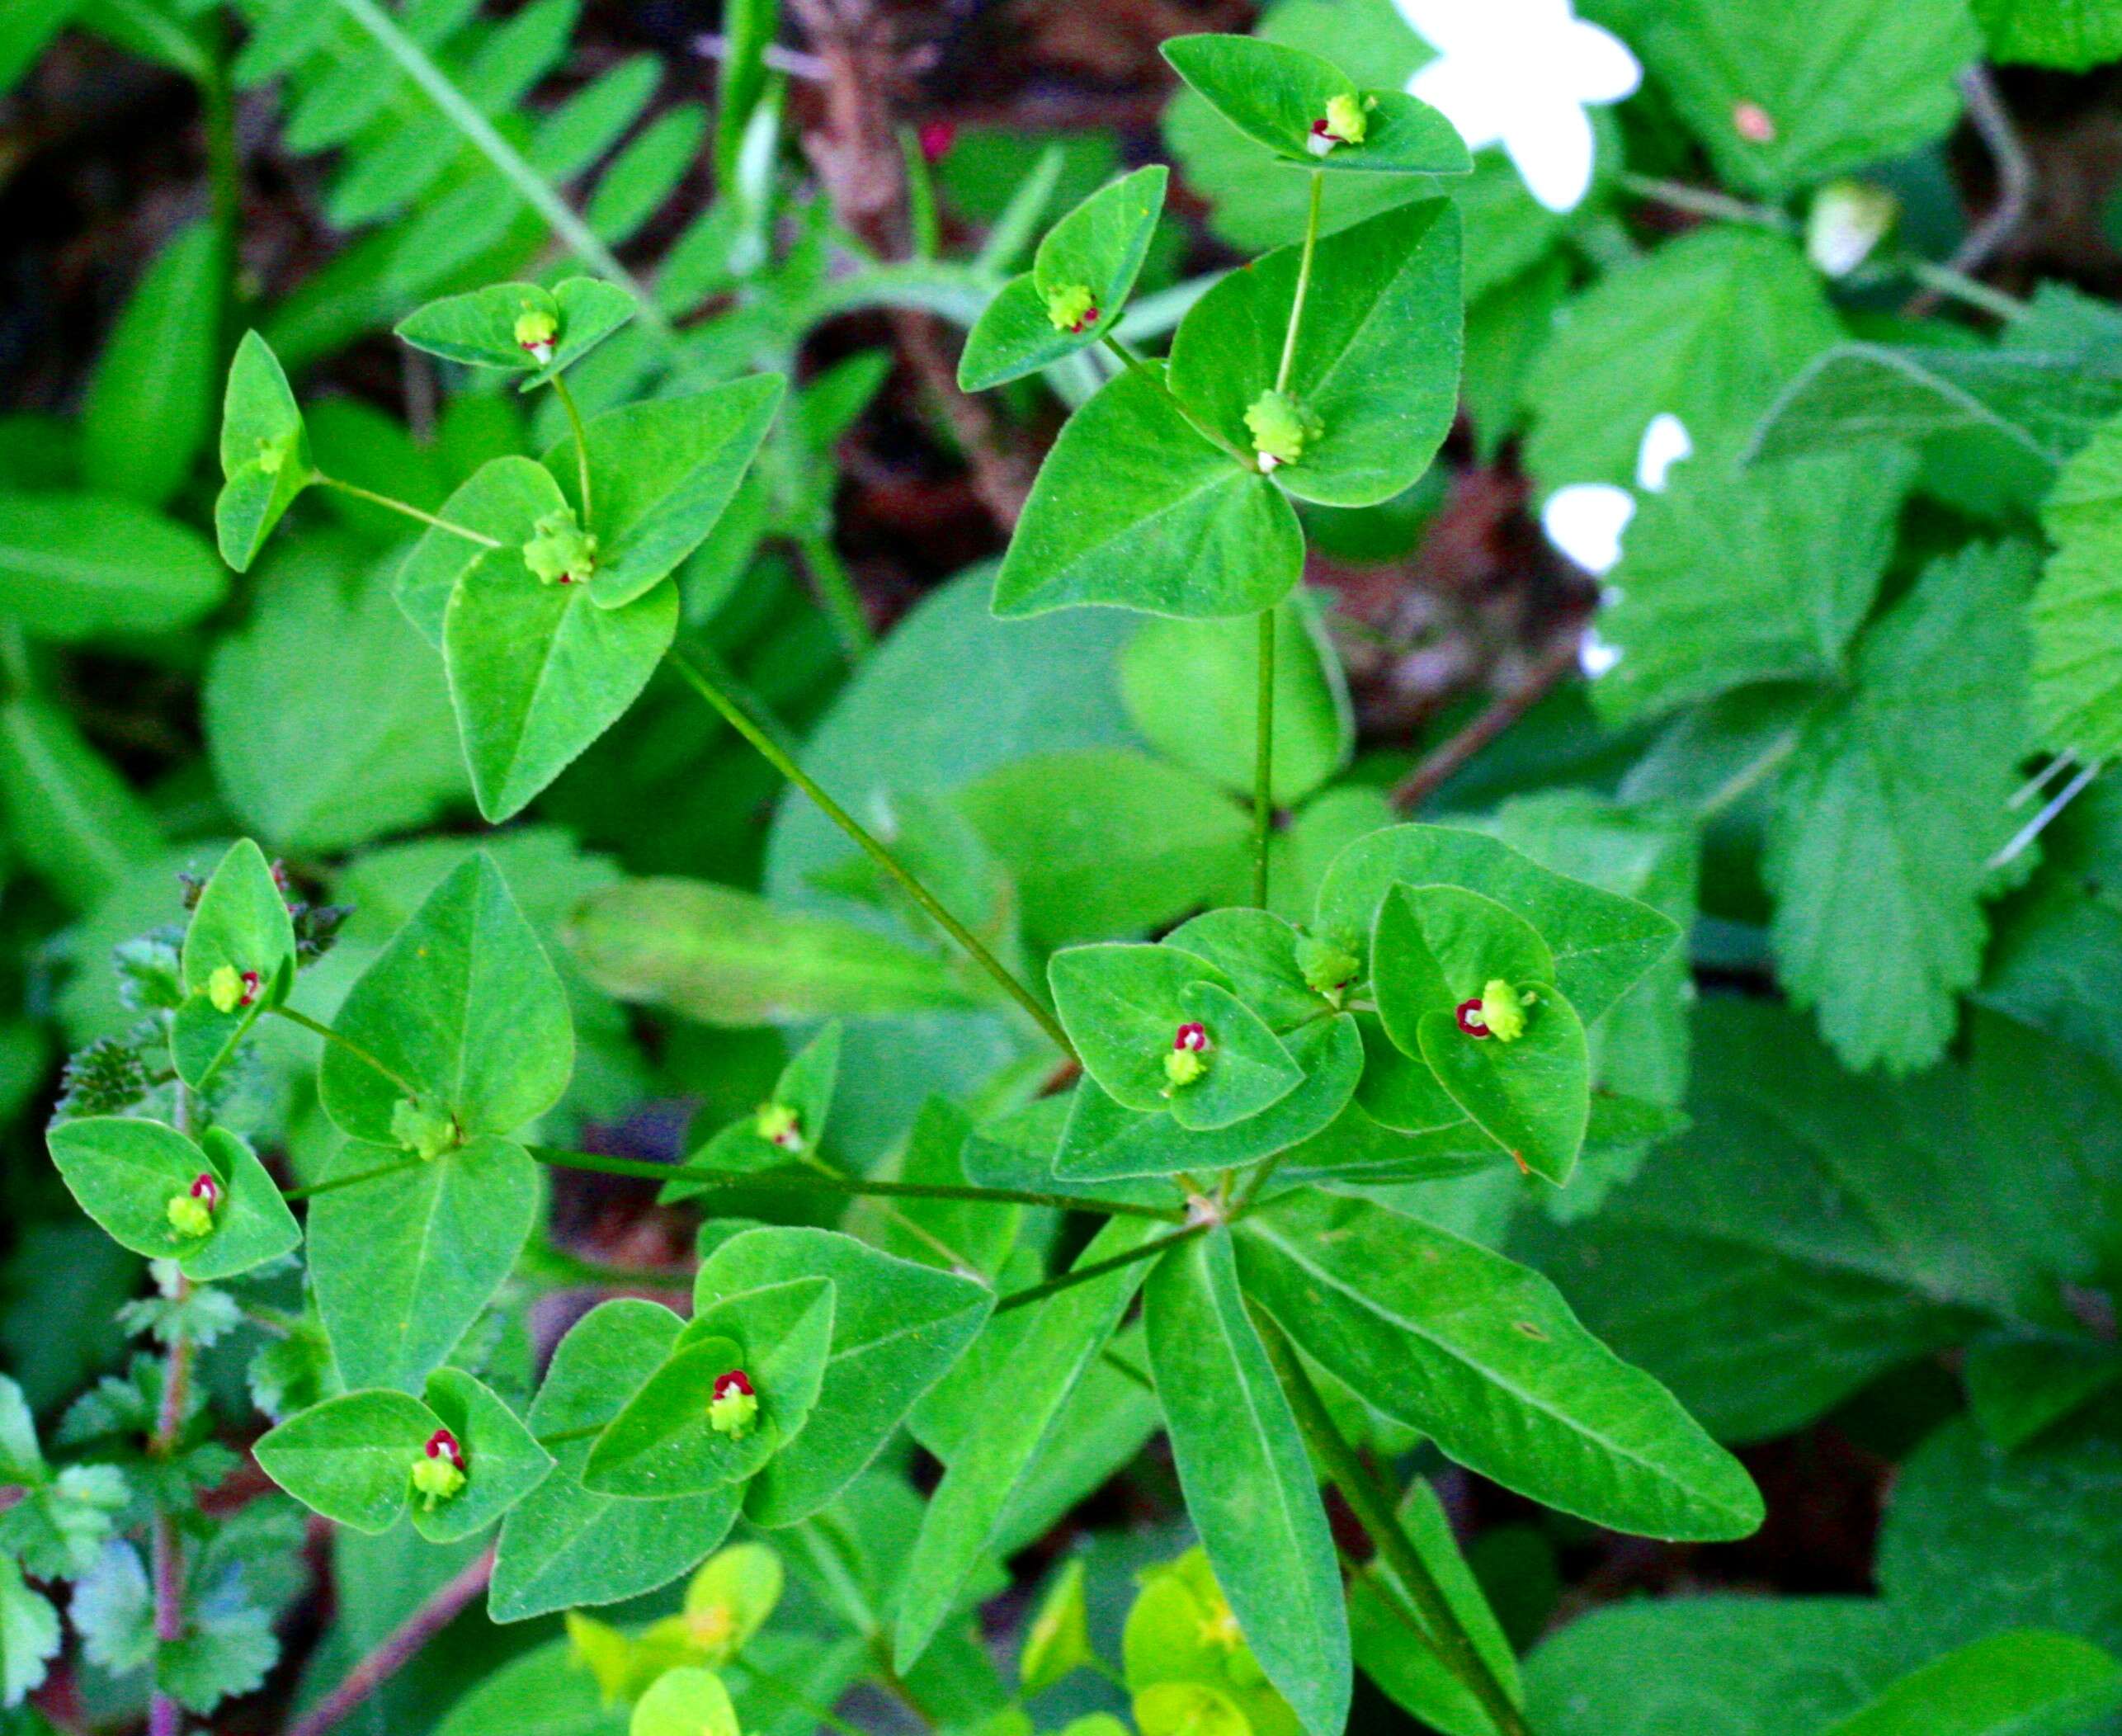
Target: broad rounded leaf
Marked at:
350, 1458
1122, 1006
1434, 947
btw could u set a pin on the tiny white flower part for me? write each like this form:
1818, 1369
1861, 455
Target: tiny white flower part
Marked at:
1665, 443
1520, 73
1585, 520
1595, 657
1848, 219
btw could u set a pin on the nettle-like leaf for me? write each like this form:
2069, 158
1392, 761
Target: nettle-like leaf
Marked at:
1250, 1487
1375, 373
2077, 610
1301, 107
460, 1027
521, 327
239, 961
1485, 1357
1891, 806
264, 453
127, 1175
563, 1546
1780, 102
1134, 506
1081, 278
664, 1442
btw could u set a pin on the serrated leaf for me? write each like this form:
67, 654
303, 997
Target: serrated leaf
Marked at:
2076, 609
1893, 801
29, 1634
1377, 357
1485, 1357
1250, 1487
1136, 508
77, 566
1099, 247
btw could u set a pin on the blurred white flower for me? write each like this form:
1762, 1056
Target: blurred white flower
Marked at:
1848, 219
1595, 657
1587, 519
1519, 73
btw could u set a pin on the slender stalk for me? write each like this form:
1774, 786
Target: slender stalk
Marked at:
1136, 365
1944, 279
1069, 1280
821, 1180
166, 1548
319, 1028
697, 677
1440, 766
1263, 759
410, 510
399, 1647
838, 597
582, 448
1703, 202
376, 1174
1373, 1507
1304, 282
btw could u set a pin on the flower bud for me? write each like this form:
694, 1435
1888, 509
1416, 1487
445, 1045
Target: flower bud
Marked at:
779, 1125
561, 552
1325, 964
230, 990
191, 1212
438, 1474
734, 1408
1848, 219
1072, 307
1282, 428
1345, 122
535, 329
426, 1133
1503, 1010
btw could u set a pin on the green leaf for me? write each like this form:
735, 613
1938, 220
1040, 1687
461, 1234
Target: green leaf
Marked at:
563, 1547
971, 1505
503, 1463
661, 474
149, 404
1763, 575
1433, 947
1485, 1357
1180, 1641
77, 566
75, 820
1709, 328
1533, 1097
896, 1328
316, 753
1105, 841
1250, 1489
124, 1172
404, 1262
478, 329
1104, 1141
1740, 1665
240, 924
1377, 357
1602, 944
1275, 95
1135, 508
647, 172
2074, 35
462, 1013
684, 1702
1258, 952
264, 452
1822, 1229
2018, 1387
730, 958
351, 1458
1192, 689
662, 1444
805, 1088
1249, 1071
504, 499
2023, 1683
2076, 608
545, 1691
1777, 108
1099, 247
29, 1634
539, 671
1887, 815
1122, 1007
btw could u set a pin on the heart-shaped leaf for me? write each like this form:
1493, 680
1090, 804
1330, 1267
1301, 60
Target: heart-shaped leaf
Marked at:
126, 1172
264, 452
1246, 1068
507, 325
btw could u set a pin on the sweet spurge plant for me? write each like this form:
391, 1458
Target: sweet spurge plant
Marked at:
1146, 1075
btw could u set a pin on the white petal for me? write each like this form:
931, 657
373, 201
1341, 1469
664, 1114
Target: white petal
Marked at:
1595, 657
1464, 89
1585, 520
1667, 442
1552, 145
1601, 69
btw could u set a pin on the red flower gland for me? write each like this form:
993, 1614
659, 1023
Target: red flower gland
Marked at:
250, 981
1193, 1037
207, 1192
734, 1410
1470, 1021
1090, 318
937, 138
735, 1381
443, 1444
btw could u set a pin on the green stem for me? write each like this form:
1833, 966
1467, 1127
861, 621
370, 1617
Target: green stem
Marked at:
1263, 759
410, 510
1705, 202
1373, 1507
1155, 376
836, 595
1070, 1278
1961, 287
825, 1181
1304, 282
537, 192
375, 1173
702, 683
319, 1028
582, 448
